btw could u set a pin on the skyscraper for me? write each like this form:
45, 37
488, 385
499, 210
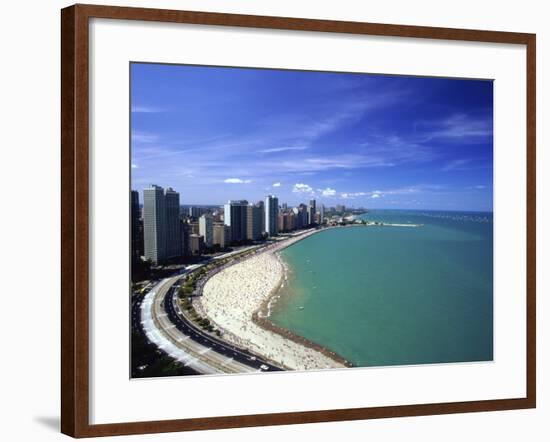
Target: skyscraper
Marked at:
302, 214
322, 214
206, 229
194, 227
196, 244
136, 234
312, 209
297, 218
261, 205
271, 212
185, 230
222, 235
280, 222
286, 221
235, 216
254, 216
289, 220
173, 233
154, 223
161, 224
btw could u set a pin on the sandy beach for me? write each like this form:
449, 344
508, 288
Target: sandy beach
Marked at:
235, 300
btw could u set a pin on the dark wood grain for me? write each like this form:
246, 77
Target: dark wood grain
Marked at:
68, 343
75, 219
301, 24
74, 222
531, 222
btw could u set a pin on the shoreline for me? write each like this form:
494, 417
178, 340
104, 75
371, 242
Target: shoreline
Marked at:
235, 299
261, 317
246, 322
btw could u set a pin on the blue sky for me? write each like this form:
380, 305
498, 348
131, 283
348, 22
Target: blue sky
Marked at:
375, 141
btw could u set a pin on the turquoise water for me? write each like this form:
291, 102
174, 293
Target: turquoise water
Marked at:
395, 295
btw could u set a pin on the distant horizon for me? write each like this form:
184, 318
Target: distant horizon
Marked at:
402, 143
350, 206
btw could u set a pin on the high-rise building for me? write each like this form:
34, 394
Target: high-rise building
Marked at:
194, 227
196, 212
312, 209
206, 229
196, 244
322, 214
301, 216
235, 216
137, 230
297, 218
261, 205
222, 235
185, 230
271, 213
340, 208
173, 238
254, 216
217, 215
289, 221
161, 224
154, 224
280, 222
286, 221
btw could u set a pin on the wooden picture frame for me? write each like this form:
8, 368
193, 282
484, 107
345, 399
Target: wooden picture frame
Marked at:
75, 219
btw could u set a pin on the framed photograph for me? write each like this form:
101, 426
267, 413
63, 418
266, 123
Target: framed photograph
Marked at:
273, 220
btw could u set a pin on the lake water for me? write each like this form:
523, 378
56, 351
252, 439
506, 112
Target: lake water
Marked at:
395, 295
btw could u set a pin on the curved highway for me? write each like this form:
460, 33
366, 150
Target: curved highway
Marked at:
222, 347
166, 327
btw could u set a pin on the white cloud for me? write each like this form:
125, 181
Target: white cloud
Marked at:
302, 188
462, 126
142, 137
236, 181
351, 195
134, 166
374, 194
283, 149
327, 192
147, 109
276, 184
461, 164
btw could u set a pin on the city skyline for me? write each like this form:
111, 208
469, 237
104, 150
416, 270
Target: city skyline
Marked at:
219, 134
164, 230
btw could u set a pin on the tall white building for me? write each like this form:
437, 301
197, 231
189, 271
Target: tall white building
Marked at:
154, 224
161, 224
322, 214
206, 229
271, 212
